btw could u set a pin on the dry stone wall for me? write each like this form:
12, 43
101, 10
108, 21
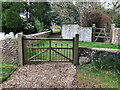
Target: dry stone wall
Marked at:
9, 47
9, 50
87, 55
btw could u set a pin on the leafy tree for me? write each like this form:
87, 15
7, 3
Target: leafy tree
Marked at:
41, 11
113, 11
70, 12
117, 19
11, 20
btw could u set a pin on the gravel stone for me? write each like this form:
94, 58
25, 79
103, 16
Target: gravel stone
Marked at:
55, 75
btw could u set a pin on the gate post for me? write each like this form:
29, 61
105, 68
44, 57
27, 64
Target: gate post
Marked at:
113, 33
93, 33
24, 50
76, 44
20, 49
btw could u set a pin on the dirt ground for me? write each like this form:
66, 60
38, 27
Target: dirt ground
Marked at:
55, 35
55, 75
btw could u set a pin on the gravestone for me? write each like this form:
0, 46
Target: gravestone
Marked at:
11, 34
7, 36
2, 35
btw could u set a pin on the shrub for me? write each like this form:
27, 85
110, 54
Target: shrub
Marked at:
39, 25
106, 60
61, 37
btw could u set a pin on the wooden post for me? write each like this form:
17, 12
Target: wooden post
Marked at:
112, 33
24, 50
76, 44
93, 33
51, 31
20, 49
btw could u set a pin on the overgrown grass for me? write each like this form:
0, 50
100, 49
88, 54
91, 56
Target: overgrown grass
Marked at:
56, 30
6, 69
95, 78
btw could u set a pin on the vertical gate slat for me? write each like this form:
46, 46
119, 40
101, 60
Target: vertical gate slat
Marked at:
50, 50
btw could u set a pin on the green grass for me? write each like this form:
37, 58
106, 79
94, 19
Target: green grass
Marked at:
56, 30
6, 70
54, 55
97, 45
93, 78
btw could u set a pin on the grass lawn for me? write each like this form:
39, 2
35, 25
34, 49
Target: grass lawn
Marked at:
91, 77
54, 56
56, 30
96, 45
6, 70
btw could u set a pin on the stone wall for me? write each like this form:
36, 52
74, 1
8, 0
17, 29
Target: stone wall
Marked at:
69, 31
9, 50
86, 55
9, 47
116, 36
37, 35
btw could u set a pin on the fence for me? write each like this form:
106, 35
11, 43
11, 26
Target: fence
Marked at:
24, 49
107, 35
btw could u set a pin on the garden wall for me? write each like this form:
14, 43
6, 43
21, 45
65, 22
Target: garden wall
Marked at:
116, 36
69, 31
9, 47
87, 55
37, 35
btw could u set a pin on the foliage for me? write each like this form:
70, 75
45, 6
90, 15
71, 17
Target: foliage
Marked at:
61, 37
105, 60
42, 12
39, 26
11, 16
113, 11
69, 12
12, 19
117, 19
37, 16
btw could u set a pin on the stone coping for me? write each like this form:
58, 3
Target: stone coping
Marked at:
38, 33
103, 49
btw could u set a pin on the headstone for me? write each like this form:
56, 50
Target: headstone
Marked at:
11, 34
7, 36
2, 35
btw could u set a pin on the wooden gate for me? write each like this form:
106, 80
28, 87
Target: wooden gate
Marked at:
102, 35
47, 49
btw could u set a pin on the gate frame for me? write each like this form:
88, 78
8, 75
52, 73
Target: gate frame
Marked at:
22, 49
106, 36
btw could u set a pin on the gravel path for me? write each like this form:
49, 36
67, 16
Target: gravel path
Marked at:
55, 75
